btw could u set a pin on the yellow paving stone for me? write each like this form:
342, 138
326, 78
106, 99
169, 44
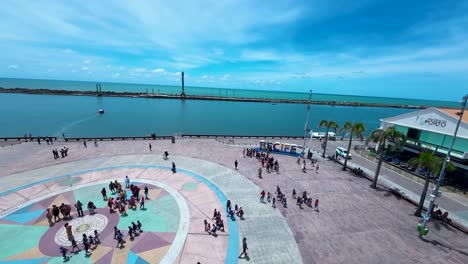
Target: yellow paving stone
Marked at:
58, 201
99, 252
28, 254
120, 255
154, 255
152, 194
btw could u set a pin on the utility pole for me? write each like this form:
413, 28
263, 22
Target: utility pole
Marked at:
183, 88
307, 120
435, 192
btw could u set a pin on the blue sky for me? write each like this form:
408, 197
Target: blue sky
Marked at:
413, 49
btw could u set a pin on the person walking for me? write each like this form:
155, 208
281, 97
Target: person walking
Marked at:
228, 205
63, 250
316, 205
74, 245
84, 144
244, 247
173, 168
273, 201
316, 168
150, 148
146, 192
304, 166
104, 193
235, 164
142, 203
79, 208
262, 196
260, 172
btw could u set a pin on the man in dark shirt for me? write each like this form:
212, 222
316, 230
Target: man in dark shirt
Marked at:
244, 247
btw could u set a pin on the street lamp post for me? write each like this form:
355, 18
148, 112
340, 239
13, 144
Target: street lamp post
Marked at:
307, 120
435, 192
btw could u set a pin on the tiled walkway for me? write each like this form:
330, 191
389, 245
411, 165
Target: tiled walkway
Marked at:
356, 224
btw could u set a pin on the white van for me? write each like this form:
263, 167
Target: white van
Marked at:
340, 151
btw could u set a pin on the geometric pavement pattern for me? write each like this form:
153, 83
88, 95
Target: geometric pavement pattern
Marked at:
28, 238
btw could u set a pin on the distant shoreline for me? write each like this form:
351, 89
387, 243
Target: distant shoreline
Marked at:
200, 97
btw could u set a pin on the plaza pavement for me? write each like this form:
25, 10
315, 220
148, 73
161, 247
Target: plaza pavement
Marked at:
356, 224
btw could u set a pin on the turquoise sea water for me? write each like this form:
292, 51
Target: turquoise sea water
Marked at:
76, 116
167, 89
49, 115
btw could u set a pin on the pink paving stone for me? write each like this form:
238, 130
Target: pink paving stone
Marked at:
34, 191
152, 240
205, 248
10, 200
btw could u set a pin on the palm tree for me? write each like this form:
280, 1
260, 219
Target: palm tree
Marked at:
433, 165
382, 137
328, 125
353, 129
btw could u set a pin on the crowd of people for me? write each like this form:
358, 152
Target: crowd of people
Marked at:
120, 203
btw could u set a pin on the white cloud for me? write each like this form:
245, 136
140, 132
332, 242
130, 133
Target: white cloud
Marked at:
69, 51
84, 68
116, 75
159, 70
13, 66
87, 61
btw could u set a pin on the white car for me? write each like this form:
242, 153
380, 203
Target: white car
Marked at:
340, 151
331, 135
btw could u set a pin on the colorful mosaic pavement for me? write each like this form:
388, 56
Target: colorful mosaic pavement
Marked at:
174, 201
31, 235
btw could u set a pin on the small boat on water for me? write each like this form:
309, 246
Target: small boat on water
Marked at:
101, 111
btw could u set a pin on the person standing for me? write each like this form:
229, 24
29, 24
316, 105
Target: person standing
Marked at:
84, 144
49, 216
173, 168
68, 230
142, 203
260, 172
79, 208
150, 148
244, 247
146, 192
316, 205
235, 164
316, 168
273, 201
127, 182
228, 205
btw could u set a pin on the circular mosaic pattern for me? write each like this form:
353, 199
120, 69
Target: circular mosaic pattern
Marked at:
82, 225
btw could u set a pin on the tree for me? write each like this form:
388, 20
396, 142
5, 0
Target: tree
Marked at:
328, 125
433, 165
353, 129
382, 137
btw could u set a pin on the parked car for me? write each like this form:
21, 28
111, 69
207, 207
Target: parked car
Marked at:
340, 151
318, 135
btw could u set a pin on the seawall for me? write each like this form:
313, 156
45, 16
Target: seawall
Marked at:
198, 97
